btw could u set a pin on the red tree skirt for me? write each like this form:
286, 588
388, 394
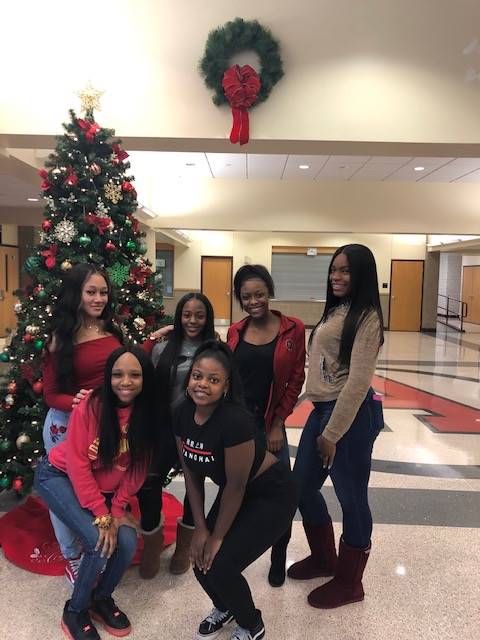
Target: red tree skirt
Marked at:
28, 541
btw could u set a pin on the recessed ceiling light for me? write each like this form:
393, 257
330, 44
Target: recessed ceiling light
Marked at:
190, 164
32, 199
419, 169
304, 166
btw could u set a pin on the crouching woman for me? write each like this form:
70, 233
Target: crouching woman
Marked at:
88, 480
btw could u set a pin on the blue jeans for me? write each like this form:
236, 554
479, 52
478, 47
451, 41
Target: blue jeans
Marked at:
350, 471
55, 488
54, 432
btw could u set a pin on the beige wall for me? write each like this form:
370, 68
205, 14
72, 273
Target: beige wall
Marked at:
257, 248
375, 71
10, 234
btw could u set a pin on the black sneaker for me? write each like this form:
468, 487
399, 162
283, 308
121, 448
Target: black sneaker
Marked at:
78, 625
109, 615
239, 633
276, 575
213, 624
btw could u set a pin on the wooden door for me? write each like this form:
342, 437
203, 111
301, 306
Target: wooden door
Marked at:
471, 293
406, 295
9, 273
217, 286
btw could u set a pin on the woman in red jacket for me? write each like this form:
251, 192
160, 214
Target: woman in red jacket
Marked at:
269, 350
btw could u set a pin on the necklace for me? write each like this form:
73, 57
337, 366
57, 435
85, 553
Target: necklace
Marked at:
92, 327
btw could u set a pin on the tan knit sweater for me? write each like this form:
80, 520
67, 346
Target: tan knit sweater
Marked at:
348, 386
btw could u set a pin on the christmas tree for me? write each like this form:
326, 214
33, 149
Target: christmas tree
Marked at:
88, 217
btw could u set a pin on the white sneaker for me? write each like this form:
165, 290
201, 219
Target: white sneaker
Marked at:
239, 633
213, 624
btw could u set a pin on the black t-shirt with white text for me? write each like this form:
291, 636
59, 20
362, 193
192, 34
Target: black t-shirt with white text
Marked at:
203, 446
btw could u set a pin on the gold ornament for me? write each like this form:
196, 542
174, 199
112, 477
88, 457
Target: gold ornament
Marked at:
90, 98
66, 265
113, 192
139, 324
95, 169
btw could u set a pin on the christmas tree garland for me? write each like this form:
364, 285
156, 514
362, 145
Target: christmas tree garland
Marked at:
240, 86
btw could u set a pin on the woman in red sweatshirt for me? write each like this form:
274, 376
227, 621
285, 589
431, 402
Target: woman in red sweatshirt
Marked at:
269, 350
88, 480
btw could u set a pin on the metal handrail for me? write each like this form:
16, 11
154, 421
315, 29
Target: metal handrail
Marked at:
463, 311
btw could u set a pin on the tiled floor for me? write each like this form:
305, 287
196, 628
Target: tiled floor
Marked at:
423, 578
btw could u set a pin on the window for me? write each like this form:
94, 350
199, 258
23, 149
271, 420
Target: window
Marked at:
164, 267
298, 276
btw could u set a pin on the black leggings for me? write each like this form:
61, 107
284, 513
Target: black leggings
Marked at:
150, 495
266, 513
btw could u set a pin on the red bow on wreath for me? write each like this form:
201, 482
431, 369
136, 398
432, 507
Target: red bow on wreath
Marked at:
241, 86
101, 222
90, 128
50, 256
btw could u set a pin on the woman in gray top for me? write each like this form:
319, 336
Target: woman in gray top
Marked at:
172, 357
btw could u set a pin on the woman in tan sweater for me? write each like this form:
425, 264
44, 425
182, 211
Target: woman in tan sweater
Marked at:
340, 432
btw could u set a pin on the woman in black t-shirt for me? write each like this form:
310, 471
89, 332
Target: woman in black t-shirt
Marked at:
256, 498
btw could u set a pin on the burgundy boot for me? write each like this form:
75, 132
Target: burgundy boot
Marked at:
346, 586
323, 558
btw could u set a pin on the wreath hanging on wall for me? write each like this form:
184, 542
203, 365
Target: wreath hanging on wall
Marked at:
240, 86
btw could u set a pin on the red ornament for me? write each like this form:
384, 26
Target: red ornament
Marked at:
72, 178
12, 387
110, 246
127, 187
27, 337
38, 387
43, 173
241, 86
124, 311
46, 225
17, 484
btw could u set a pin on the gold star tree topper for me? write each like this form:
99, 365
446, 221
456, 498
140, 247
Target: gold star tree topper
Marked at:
90, 98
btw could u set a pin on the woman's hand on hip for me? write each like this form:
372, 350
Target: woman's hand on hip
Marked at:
327, 451
197, 547
161, 333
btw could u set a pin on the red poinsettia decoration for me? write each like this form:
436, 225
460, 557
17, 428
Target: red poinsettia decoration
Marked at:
241, 86
89, 128
120, 153
140, 274
101, 222
46, 183
50, 256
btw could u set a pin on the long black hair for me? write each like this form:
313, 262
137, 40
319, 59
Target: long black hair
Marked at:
66, 320
168, 362
141, 427
222, 353
362, 299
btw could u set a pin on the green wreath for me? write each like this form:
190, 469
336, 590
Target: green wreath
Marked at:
236, 36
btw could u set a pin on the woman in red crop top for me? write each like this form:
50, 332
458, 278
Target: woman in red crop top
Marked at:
256, 498
88, 481
82, 334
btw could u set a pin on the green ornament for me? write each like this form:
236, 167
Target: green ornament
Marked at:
128, 222
41, 294
39, 344
4, 357
142, 249
5, 482
119, 273
131, 245
84, 241
5, 446
32, 263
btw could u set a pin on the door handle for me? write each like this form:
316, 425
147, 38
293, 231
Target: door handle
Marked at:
2, 295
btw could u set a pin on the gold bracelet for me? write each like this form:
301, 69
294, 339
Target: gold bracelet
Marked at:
103, 522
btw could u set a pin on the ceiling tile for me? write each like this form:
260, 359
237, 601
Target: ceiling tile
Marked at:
265, 166
228, 165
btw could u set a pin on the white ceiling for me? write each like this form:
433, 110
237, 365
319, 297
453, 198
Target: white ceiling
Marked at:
152, 168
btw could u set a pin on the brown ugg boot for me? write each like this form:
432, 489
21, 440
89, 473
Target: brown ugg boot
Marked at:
346, 586
180, 561
323, 559
152, 548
